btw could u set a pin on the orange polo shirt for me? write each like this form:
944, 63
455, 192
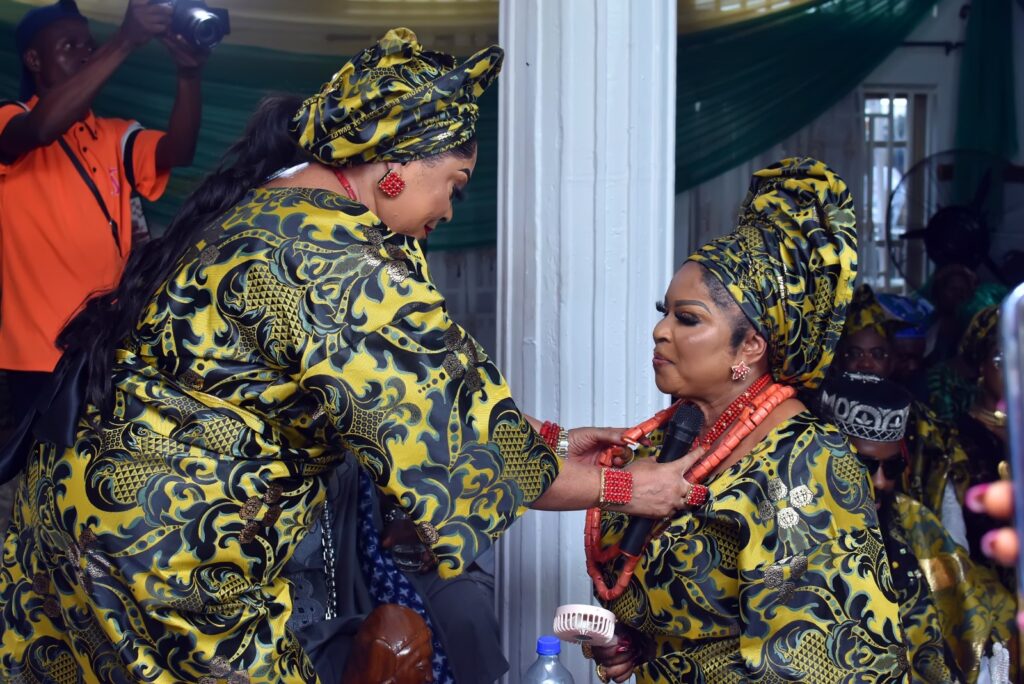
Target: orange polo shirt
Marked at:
56, 247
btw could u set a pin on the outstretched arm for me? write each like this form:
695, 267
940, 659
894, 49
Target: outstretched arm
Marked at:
178, 147
61, 107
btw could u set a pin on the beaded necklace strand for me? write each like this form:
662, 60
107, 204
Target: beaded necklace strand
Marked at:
733, 410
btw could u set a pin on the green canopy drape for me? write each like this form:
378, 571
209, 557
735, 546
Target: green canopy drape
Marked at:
986, 109
744, 87
986, 117
234, 81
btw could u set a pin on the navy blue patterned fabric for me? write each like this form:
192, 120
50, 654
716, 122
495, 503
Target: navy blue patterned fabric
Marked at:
386, 581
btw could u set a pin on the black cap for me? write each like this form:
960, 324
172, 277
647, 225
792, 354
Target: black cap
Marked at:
867, 406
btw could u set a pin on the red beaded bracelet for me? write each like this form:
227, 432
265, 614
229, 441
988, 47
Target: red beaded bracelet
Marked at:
549, 433
616, 487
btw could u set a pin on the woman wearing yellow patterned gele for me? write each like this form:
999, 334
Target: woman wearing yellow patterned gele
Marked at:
278, 325
781, 575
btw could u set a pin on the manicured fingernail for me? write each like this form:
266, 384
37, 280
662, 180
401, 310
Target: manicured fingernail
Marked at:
988, 542
974, 498
1020, 621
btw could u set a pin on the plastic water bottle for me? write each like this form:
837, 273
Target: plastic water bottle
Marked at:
546, 669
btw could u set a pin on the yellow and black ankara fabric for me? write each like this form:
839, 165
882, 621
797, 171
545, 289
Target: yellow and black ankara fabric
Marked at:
980, 336
866, 312
395, 102
781, 576
790, 264
974, 610
152, 549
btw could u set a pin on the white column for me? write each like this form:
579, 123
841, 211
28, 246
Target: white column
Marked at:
585, 249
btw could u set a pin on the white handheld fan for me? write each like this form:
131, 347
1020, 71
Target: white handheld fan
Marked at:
585, 624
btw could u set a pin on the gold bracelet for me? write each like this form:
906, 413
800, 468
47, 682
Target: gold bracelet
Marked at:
601, 503
562, 447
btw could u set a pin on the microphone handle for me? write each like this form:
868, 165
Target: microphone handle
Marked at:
635, 537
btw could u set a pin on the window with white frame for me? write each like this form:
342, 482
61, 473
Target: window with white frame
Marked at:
895, 135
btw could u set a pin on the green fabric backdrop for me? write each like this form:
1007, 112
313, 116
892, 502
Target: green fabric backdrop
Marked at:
234, 81
986, 117
745, 87
986, 110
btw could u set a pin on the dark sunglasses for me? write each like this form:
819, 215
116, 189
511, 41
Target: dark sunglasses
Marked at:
892, 468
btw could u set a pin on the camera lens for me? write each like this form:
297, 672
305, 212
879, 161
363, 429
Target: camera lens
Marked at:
204, 28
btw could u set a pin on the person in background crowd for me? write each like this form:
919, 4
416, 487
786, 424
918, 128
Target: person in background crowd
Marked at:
957, 617
61, 247
952, 287
938, 475
982, 425
909, 339
952, 383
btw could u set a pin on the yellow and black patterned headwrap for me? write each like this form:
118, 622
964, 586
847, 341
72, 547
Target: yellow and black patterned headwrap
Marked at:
867, 313
396, 102
980, 335
790, 264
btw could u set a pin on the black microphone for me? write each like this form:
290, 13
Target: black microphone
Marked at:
682, 429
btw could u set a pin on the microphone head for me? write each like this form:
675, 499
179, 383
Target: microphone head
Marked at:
686, 422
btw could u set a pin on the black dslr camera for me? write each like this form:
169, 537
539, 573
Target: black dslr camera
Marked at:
202, 26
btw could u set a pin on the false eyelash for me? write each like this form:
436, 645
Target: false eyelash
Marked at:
661, 308
458, 195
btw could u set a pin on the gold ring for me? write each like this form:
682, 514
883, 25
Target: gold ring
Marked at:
602, 675
588, 652
1004, 470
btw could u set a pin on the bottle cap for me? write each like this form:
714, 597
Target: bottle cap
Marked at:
549, 645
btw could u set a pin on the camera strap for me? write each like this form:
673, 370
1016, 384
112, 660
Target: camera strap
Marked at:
93, 189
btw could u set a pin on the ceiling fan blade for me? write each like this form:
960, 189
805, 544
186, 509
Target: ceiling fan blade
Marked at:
981, 193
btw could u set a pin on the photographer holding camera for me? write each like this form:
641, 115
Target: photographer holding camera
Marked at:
67, 175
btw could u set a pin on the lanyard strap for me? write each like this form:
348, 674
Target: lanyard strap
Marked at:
92, 188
